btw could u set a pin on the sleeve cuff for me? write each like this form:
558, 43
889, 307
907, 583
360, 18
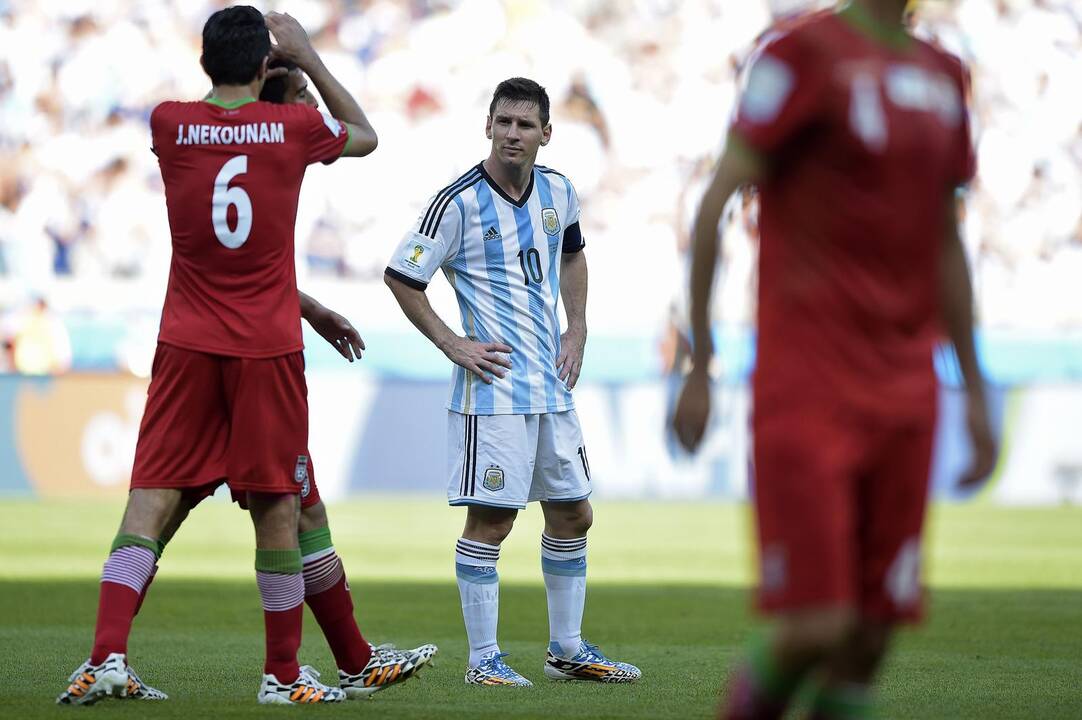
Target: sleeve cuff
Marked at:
406, 279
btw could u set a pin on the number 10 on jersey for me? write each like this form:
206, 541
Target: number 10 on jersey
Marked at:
530, 262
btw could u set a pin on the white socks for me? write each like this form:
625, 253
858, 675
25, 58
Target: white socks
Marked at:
479, 589
563, 563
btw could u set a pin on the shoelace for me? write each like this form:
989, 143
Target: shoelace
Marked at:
592, 652
388, 654
499, 667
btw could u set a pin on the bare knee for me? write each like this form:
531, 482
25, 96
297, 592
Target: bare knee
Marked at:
865, 649
150, 510
488, 525
568, 519
275, 518
174, 522
313, 517
815, 635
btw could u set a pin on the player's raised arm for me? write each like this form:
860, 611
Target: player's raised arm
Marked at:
957, 303
738, 165
294, 45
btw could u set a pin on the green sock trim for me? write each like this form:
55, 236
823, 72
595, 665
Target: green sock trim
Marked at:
127, 540
315, 540
851, 702
285, 562
774, 681
161, 548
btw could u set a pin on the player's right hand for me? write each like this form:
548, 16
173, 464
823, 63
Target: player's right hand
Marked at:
692, 410
483, 359
292, 40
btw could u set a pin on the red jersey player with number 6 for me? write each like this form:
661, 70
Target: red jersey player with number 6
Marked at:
227, 396
857, 137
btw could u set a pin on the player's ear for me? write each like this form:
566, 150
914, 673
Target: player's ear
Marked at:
546, 134
488, 126
263, 68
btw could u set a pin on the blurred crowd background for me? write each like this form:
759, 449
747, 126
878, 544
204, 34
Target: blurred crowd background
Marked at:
641, 93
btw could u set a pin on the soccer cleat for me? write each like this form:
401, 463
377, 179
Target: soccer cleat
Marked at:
424, 653
494, 671
388, 666
305, 690
90, 683
588, 664
136, 689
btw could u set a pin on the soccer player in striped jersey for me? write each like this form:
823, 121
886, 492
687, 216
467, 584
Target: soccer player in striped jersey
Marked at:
506, 235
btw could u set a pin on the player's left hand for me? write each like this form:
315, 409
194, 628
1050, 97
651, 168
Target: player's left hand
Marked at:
569, 363
692, 410
338, 331
985, 450
292, 40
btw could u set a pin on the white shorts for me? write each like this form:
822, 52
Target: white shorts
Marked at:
509, 460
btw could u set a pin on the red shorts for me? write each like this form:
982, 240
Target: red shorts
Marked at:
309, 491
212, 418
840, 505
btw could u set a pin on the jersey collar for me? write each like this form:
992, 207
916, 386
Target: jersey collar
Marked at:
857, 18
499, 191
229, 105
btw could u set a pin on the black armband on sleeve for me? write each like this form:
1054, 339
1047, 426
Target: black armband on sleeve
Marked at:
573, 241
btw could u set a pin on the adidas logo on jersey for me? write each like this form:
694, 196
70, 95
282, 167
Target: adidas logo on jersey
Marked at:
492, 234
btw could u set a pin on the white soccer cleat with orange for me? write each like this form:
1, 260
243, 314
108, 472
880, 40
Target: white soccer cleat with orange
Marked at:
90, 683
305, 690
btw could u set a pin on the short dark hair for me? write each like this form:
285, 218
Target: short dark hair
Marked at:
274, 89
520, 89
235, 41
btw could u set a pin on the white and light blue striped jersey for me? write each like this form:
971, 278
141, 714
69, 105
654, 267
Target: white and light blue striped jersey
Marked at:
503, 259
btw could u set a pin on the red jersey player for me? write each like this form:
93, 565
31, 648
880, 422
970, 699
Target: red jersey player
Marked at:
856, 135
227, 396
362, 668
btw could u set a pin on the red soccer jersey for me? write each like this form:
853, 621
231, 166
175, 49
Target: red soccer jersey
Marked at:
232, 179
865, 143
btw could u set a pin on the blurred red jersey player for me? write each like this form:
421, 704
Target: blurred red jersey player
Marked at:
227, 396
857, 137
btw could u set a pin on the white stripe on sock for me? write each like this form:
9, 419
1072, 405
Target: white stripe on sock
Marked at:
279, 591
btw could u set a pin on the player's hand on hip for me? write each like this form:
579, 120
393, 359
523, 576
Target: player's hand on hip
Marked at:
339, 332
486, 360
292, 40
985, 450
569, 362
692, 410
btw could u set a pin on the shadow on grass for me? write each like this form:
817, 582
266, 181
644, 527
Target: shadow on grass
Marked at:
984, 653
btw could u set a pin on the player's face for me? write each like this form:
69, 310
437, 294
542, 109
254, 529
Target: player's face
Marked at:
297, 89
516, 132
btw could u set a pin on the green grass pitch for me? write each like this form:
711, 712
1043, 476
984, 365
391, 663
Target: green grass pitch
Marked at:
668, 591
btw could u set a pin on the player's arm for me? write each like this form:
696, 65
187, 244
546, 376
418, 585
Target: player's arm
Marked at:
739, 165
332, 327
294, 45
573, 282
957, 304
482, 359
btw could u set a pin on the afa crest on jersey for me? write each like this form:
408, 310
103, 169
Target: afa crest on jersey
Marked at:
493, 480
550, 221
